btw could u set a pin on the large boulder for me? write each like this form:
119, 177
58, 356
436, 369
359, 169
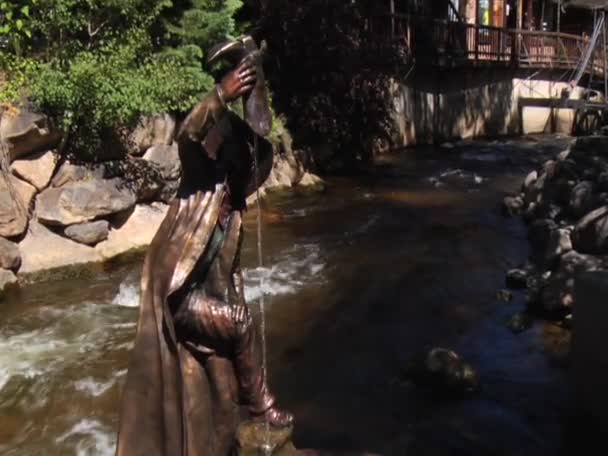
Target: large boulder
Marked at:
557, 296
142, 177
72, 172
88, 233
591, 232
14, 213
7, 280
136, 232
83, 201
26, 132
42, 249
581, 199
558, 244
150, 131
166, 157
10, 258
36, 169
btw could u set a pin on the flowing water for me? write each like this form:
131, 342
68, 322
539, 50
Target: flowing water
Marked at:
356, 279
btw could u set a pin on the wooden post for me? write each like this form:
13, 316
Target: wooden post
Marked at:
520, 14
559, 15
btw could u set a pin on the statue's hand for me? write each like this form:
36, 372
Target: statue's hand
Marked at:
238, 82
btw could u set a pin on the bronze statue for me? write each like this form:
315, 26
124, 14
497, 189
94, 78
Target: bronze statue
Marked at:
197, 356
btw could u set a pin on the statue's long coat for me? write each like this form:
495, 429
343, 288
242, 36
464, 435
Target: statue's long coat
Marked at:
180, 399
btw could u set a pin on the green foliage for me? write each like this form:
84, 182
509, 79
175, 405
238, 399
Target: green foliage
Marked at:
96, 66
16, 24
206, 22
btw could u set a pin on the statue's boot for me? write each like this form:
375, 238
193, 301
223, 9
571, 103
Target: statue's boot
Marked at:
276, 417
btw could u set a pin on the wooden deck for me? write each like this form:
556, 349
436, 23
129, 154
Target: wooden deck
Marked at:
453, 43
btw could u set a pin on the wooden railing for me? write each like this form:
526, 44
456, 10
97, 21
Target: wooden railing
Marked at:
453, 43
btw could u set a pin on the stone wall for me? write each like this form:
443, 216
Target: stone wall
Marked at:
56, 213
466, 103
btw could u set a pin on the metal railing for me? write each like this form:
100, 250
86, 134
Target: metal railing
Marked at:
460, 42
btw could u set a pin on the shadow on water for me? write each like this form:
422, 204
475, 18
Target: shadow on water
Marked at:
358, 279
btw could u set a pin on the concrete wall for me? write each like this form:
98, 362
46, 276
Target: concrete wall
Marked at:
433, 106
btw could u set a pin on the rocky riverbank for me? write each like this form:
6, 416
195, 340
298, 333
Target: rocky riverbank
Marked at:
57, 213
565, 204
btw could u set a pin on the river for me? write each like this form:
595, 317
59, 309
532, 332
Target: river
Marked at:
358, 278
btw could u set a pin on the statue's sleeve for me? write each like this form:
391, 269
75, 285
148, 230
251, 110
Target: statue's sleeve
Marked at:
202, 118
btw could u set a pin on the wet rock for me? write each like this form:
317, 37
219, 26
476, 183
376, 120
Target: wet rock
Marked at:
7, 280
601, 182
559, 243
443, 370
504, 295
557, 294
517, 278
563, 155
83, 201
581, 198
26, 132
585, 145
14, 213
513, 205
36, 169
530, 179
533, 192
88, 233
520, 322
136, 232
150, 131
568, 170
10, 258
540, 232
591, 232
43, 249
166, 157
311, 180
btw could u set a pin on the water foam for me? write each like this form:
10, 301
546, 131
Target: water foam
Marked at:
287, 275
128, 295
93, 438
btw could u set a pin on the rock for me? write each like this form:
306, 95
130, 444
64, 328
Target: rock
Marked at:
443, 370
601, 182
138, 175
311, 180
517, 278
43, 250
83, 201
581, 198
88, 233
591, 232
71, 172
563, 155
36, 169
150, 131
513, 205
10, 258
168, 192
504, 295
27, 132
134, 233
286, 171
559, 243
520, 322
530, 179
533, 192
7, 280
557, 294
540, 232
13, 214
167, 159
